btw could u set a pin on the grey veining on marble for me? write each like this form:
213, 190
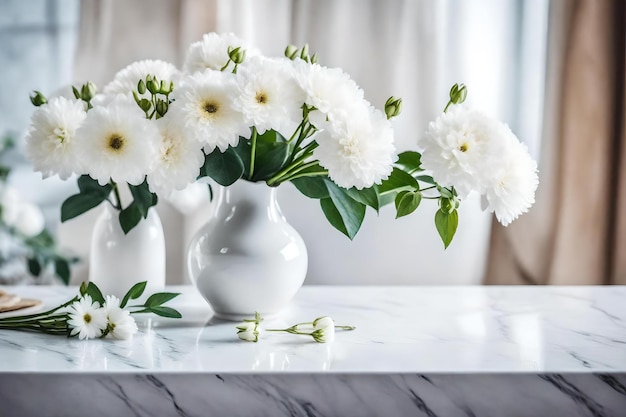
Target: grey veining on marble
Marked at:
447, 395
399, 330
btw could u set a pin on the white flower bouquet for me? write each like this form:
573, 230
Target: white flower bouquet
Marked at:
233, 114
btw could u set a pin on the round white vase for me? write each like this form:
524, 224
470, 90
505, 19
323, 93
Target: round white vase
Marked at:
118, 261
247, 258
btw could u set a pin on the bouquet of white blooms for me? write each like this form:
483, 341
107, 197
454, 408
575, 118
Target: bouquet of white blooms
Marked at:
233, 114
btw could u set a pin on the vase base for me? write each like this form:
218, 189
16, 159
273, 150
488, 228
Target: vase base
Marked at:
241, 317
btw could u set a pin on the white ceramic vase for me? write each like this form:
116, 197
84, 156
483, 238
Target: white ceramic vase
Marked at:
247, 258
118, 261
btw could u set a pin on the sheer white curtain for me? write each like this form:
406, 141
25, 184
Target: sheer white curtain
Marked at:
407, 48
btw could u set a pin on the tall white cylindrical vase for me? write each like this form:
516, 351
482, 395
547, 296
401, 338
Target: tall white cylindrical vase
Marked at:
118, 261
247, 258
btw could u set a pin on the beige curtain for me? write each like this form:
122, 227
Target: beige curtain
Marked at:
576, 233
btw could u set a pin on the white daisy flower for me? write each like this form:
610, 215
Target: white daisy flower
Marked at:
178, 160
330, 90
86, 318
50, 141
460, 146
514, 182
126, 80
205, 108
357, 151
212, 52
117, 142
120, 324
270, 97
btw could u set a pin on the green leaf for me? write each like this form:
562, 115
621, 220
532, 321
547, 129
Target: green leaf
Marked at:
86, 184
34, 267
445, 192
143, 198
80, 203
312, 187
446, 224
409, 161
62, 269
270, 158
397, 181
159, 298
333, 216
225, 168
130, 217
165, 312
95, 293
134, 293
367, 196
270, 136
426, 178
243, 151
407, 202
350, 211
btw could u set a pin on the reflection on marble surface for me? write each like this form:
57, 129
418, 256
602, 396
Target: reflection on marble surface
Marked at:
399, 330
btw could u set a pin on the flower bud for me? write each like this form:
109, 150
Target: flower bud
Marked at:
304, 54
153, 86
161, 107
323, 329
38, 99
145, 104
248, 331
314, 58
171, 87
248, 336
291, 51
237, 55
458, 93
393, 107
88, 91
141, 87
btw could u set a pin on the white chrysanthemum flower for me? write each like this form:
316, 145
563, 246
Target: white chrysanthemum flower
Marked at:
126, 80
50, 142
212, 52
117, 142
513, 183
357, 151
204, 106
330, 90
178, 159
323, 330
270, 97
86, 318
459, 148
120, 324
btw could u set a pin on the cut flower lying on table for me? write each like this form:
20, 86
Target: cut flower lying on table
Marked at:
322, 329
91, 315
233, 114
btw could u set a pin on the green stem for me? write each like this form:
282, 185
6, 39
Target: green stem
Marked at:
447, 105
305, 174
252, 151
37, 315
116, 193
225, 65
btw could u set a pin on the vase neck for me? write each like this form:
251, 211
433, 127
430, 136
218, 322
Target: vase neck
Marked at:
249, 198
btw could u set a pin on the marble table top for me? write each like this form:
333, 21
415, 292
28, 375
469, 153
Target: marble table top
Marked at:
452, 329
